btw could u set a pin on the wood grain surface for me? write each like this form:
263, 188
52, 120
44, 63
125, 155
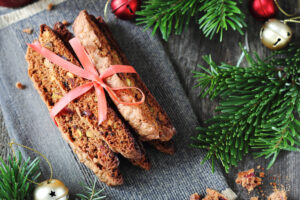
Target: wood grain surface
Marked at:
186, 52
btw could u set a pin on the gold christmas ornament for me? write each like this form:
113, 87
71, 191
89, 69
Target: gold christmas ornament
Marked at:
50, 190
275, 34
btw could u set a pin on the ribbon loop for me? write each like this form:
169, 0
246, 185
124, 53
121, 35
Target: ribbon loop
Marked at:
89, 72
117, 99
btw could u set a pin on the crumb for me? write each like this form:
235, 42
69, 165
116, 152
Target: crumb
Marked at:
273, 184
258, 167
195, 196
261, 174
212, 195
278, 195
248, 179
254, 198
19, 85
28, 30
65, 22
50, 6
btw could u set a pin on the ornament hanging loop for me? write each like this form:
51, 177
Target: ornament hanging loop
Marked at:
105, 10
35, 151
283, 11
292, 20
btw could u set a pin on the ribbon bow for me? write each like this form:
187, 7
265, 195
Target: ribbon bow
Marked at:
88, 72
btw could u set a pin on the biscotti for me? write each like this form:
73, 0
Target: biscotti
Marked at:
147, 119
95, 153
113, 131
143, 162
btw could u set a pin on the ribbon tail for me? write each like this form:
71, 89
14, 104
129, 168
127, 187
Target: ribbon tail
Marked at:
70, 96
102, 103
82, 55
66, 65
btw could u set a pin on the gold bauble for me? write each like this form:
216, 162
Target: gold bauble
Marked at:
50, 190
275, 34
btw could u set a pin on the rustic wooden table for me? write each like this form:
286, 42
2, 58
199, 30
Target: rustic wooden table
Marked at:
186, 52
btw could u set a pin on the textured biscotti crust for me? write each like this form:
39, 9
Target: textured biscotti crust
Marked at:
167, 147
113, 131
94, 153
143, 161
148, 119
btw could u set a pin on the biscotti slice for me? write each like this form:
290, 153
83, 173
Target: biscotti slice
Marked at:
113, 131
163, 146
147, 119
143, 162
94, 153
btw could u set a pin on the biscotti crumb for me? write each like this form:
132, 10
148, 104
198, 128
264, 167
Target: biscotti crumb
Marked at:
258, 167
19, 85
213, 194
195, 196
50, 6
278, 195
65, 22
254, 198
248, 179
28, 30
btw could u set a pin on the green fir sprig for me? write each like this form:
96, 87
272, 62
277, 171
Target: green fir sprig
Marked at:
15, 176
214, 16
258, 107
91, 193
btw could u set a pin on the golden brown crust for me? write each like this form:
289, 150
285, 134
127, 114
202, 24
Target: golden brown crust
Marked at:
94, 153
144, 161
148, 119
113, 131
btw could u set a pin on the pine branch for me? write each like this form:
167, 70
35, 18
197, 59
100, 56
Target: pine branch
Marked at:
91, 193
219, 15
15, 176
167, 16
257, 108
175, 15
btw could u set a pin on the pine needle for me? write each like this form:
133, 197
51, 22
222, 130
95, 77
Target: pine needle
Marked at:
91, 193
15, 176
258, 108
175, 15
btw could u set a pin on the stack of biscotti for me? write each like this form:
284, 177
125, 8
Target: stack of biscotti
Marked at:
96, 145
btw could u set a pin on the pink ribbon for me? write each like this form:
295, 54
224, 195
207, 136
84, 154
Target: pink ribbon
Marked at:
88, 72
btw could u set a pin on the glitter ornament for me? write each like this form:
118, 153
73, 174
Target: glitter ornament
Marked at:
125, 9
